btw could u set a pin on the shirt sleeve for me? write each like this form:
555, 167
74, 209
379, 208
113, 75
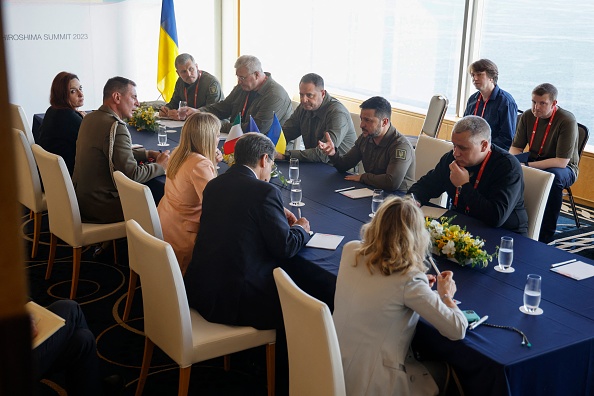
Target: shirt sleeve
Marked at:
568, 136
350, 159
401, 158
434, 183
124, 158
521, 139
214, 94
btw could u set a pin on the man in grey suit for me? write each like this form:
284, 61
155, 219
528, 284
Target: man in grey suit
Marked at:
104, 146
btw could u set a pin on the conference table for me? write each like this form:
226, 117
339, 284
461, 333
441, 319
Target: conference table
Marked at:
488, 361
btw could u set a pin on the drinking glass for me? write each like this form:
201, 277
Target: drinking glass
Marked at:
182, 113
293, 169
376, 200
162, 136
506, 253
532, 293
296, 194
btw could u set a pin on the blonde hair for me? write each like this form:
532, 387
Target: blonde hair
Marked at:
396, 239
199, 135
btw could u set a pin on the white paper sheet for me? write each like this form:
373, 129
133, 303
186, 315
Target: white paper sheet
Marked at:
171, 123
578, 270
433, 212
358, 193
325, 241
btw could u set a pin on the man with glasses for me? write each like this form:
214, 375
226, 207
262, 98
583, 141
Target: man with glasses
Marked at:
255, 94
194, 86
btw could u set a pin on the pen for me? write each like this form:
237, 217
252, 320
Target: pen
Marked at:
478, 322
434, 266
299, 212
344, 189
563, 263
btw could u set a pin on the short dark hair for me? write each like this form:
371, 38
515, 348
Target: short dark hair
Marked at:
487, 66
116, 84
182, 59
546, 88
59, 93
477, 126
313, 78
383, 108
251, 147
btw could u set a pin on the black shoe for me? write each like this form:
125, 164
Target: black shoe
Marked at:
113, 385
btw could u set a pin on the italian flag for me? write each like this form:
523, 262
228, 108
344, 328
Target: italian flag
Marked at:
234, 133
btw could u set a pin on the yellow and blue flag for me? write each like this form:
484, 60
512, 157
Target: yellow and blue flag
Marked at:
168, 51
277, 136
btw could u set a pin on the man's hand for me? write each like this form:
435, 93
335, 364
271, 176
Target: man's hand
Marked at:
356, 178
328, 147
278, 156
163, 159
303, 223
458, 175
164, 111
290, 217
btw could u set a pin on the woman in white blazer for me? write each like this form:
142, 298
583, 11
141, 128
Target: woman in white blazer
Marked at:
381, 290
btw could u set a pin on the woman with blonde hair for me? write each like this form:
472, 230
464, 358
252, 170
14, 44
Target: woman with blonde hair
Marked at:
381, 290
191, 166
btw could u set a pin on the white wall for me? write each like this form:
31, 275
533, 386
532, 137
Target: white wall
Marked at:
97, 40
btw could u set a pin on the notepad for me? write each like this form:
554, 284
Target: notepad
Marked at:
433, 212
578, 270
358, 193
47, 322
325, 241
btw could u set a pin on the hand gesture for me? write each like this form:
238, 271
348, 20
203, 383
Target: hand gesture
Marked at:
328, 147
458, 175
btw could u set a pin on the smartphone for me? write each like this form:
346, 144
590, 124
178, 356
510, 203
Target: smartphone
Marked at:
471, 316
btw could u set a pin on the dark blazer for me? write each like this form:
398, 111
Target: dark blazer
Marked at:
58, 134
243, 236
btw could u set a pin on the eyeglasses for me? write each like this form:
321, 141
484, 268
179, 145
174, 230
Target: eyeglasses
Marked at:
242, 78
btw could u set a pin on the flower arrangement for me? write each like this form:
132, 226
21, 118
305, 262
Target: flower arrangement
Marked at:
144, 118
456, 243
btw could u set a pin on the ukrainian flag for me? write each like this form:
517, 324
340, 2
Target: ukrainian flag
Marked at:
277, 136
168, 51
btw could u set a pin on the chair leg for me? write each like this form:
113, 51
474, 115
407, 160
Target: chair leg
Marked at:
572, 203
184, 380
270, 358
115, 252
130, 297
52, 254
31, 214
36, 232
76, 255
227, 362
146, 364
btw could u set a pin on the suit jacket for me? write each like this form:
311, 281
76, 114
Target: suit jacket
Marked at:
181, 206
96, 192
375, 318
243, 236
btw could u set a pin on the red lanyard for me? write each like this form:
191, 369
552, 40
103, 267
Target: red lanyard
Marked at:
195, 90
245, 105
476, 182
544, 139
484, 106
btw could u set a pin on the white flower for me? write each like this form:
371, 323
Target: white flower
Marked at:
479, 243
449, 248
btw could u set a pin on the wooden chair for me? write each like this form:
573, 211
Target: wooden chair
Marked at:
181, 332
64, 214
315, 365
29, 191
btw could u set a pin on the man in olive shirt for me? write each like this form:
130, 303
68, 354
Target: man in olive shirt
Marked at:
387, 155
318, 113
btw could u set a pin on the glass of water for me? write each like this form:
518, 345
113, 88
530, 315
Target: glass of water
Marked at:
182, 113
293, 169
506, 253
162, 136
376, 200
532, 293
296, 193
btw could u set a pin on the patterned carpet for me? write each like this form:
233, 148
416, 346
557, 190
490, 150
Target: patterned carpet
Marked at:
572, 239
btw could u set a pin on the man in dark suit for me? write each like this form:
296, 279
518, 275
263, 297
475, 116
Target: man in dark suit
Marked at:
245, 232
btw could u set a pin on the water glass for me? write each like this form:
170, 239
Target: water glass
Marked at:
532, 293
296, 194
182, 113
293, 169
162, 136
506, 252
376, 200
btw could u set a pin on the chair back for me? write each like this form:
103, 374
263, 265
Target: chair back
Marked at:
63, 211
19, 121
583, 135
167, 320
138, 204
357, 123
428, 152
29, 191
537, 184
438, 105
315, 366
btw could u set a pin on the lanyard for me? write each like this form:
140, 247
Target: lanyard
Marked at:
245, 105
484, 106
195, 90
544, 139
476, 182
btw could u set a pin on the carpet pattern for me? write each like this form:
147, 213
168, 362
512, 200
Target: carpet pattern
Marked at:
572, 239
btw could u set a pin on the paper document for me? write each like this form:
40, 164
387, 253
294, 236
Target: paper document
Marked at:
171, 123
46, 321
578, 270
325, 241
433, 212
358, 193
